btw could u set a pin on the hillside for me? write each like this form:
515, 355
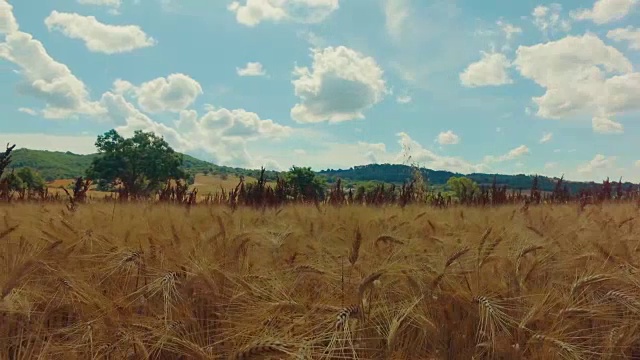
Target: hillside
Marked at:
54, 165
396, 173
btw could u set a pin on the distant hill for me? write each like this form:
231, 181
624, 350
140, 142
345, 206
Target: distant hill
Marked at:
54, 165
396, 173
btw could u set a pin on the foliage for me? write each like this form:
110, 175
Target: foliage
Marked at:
305, 184
140, 165
65, 165
52, 165
462, 186
31, 180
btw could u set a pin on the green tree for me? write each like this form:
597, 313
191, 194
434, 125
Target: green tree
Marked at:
462, 186
139, 165
13, 182
31, 180
304, 183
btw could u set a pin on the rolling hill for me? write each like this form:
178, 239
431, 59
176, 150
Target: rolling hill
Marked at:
54, 165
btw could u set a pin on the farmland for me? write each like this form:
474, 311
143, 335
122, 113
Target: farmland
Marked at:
247, 267
301, 282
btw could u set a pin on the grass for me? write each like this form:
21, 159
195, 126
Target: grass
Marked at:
157, 281
205, 184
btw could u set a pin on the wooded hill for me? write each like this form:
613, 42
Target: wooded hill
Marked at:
54, 165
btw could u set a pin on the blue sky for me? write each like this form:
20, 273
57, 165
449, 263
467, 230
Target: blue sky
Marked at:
461, 85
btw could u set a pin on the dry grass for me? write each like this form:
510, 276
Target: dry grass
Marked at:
153, 281
206, 184
213, 183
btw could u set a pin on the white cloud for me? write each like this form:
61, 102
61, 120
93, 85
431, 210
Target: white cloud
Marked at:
341, 84
251, 69
312, 38
28, 111
404, 99
511, 155
416, 153
491, 70
174, 93
220, 135
599, 162
605, 11
448, 138
546, 137
99, 37
549, 20
550, 165
637, 163
64, 94
253, 12
605, 125
237, 123
629, 34
509, 30
574, 71
8, 23
396, 13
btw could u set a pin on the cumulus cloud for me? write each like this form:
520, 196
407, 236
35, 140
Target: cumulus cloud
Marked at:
28, 111
99, 37
8, 23
404, 99
174, 93
251, 69
448, 138
581, 75
604, 125
491, 70
414, 152
546, 137
548, 19
253, 12
396, 13
219, 134
511, 155
63, 93
509, 30
340, 85
599, 162
605, 11
629, 34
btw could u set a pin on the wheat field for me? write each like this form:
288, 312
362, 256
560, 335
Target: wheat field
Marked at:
135, 281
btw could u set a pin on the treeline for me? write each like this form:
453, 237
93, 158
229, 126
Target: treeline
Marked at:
145, 168
397, 173
55, 165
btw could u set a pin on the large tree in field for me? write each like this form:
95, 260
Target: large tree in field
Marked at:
305, 184
139, 165
463, 187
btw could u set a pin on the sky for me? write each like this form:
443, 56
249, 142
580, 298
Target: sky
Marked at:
510, 87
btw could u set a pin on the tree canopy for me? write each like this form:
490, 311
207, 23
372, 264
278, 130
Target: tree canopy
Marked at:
305, 183
138, 165
462, 186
